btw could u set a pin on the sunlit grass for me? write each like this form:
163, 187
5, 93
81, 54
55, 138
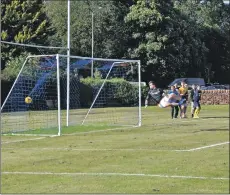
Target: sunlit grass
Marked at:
153, 149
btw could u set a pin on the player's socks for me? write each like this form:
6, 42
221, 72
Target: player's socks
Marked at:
196, 113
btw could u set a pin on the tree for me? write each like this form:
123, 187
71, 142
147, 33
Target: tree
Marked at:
110, 32
213, 18
166, 41
13, 66
22, 21
216, 22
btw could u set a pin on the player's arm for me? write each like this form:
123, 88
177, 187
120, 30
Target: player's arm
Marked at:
147, 100
199, 93
186, 95
162, 92
191, 94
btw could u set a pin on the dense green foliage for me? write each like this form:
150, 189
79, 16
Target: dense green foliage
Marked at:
172, 38
213, 18
22, 21
13, 66
110, 31
167, 41
123, 91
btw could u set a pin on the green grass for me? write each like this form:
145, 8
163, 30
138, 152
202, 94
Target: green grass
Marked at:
46, 122
148, 150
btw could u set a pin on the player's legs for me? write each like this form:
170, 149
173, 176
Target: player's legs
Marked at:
192, 109
176, 111
172, 111
197, 109
168, 101
183, 107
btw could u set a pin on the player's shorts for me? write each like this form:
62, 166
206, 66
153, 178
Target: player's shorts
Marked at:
183, 102
164, 102
192, 103
196, 104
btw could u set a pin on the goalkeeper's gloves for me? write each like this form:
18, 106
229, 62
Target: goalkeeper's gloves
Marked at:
146, 105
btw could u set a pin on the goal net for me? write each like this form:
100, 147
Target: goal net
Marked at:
47, 95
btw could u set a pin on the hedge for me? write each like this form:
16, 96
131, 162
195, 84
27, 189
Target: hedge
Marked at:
120, 90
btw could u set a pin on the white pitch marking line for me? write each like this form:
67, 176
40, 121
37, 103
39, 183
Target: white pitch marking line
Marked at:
23, 140
116, 174
209, 146
124, 149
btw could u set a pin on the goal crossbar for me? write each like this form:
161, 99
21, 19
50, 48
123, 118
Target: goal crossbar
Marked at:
100, 59
59, 64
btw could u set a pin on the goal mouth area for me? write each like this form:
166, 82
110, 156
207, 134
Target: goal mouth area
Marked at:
94, 92
70, 130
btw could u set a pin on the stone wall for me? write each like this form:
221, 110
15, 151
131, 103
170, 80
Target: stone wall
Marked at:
215, 97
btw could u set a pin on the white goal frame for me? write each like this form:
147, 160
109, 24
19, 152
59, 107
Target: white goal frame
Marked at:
115, 61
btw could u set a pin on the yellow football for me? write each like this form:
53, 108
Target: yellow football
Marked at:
28, 100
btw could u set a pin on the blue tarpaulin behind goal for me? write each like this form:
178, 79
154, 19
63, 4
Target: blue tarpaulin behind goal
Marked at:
106, 66
80, 64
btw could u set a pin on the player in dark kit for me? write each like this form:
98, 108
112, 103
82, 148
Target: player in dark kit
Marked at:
196, 102
154, 94
174, 108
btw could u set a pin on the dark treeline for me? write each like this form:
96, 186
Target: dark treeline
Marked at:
172, 38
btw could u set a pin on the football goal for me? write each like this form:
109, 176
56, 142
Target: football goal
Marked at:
47, 95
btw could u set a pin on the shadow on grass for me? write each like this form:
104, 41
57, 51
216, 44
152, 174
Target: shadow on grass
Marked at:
216, 129
216, 117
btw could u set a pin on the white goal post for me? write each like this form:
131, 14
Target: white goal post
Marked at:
111, 98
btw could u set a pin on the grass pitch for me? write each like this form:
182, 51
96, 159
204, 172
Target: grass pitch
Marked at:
45, 122
162, 156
